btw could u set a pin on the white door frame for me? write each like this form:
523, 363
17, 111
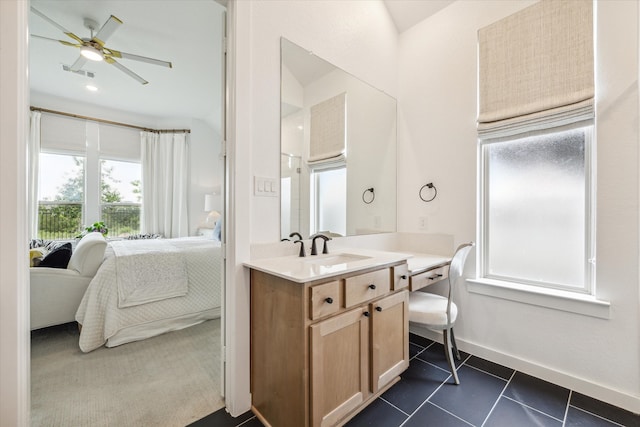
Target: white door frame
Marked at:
15, 395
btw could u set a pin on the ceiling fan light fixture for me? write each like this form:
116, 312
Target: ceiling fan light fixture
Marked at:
91, 53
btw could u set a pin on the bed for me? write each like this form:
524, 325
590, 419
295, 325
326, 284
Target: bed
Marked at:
146, 288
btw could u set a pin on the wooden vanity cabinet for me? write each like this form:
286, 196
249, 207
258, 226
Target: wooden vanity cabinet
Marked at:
322, 351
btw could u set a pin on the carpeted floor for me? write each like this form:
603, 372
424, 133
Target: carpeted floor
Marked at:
169, 380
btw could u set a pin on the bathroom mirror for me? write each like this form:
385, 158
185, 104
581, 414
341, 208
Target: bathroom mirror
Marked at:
338, 150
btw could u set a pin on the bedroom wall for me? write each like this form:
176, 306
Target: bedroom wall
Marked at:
437, 99
206, 166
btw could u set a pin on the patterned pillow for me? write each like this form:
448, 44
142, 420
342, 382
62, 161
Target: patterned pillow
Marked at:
49, 245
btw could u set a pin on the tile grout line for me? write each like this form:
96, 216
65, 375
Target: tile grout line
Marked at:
498, 399
427, 399
245, 421
566, 409
596, 415
533, 409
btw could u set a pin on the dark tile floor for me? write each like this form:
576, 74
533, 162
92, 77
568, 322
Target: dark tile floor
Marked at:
488, 395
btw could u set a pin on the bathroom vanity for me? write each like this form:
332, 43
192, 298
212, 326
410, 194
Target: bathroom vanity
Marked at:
329, 334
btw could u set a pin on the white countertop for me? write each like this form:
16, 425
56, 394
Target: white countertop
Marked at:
314, 267
345, 260
423, 262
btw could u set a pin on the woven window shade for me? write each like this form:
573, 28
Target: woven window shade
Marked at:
536, 68
327, 129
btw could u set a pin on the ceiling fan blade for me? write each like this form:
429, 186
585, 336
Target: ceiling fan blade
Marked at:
55, 24
77, 66
124, 55
107, 30
57, 41
126, 70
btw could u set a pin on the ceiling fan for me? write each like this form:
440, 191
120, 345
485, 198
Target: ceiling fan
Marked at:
94, 48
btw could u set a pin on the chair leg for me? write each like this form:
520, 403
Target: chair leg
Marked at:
453, 344
449, 354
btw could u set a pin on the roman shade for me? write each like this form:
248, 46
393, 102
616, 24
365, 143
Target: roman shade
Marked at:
536, 69
327, 130
63, 134
119, 143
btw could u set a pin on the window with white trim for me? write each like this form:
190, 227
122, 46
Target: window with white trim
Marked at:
536, 146
536, 217
88, 172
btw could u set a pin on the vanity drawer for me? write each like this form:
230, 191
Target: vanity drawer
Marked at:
324, 299
364, 287
400, 276
428, 277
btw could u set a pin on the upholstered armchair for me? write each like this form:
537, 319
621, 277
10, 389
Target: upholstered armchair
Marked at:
56, 292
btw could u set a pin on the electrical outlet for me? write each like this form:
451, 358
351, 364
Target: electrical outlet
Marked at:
422, 222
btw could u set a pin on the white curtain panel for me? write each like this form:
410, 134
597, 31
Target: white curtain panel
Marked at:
34, 166
165, 175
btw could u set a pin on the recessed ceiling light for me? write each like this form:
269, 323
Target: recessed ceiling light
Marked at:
91, 88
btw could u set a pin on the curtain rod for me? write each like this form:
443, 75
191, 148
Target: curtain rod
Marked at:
77, 116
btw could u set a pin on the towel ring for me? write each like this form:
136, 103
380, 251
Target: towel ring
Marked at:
373, 195
429, 185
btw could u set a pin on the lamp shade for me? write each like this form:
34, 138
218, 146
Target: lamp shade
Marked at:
208, 202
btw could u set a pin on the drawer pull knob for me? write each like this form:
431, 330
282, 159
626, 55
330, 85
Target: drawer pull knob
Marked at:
403, 277
372, 286
366, 314
329, 300
378, 308
435, 276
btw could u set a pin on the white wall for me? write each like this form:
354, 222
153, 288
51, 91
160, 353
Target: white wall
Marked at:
357, 36
206, 165
437, 100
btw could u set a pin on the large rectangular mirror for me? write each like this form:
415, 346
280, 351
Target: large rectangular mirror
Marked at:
338, 150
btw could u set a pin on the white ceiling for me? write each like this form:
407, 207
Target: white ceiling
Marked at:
407, 13
186, 32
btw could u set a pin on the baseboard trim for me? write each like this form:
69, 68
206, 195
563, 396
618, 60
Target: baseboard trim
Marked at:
580, 385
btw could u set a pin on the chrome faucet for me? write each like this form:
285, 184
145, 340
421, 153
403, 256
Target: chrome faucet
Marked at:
325, 249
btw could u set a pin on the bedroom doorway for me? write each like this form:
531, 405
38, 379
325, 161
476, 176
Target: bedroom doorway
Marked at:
177, 393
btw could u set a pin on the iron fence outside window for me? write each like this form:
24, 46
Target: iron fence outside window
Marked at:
63, 220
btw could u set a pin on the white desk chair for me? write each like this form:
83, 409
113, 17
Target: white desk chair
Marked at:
439, 313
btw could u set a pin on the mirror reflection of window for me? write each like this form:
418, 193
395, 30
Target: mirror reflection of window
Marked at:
330, 187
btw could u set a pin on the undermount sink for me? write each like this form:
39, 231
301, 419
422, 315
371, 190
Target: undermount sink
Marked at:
336, 259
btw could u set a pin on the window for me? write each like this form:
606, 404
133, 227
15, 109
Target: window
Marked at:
61, 189
536, 98
536, 216
88, 172
120, 196
331, 200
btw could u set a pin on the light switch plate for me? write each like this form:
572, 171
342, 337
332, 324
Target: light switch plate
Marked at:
265, 187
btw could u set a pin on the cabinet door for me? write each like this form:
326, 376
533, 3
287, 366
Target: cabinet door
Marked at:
389, 339
339, 366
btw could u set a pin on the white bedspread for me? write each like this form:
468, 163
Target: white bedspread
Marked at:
104, 323
142, 278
